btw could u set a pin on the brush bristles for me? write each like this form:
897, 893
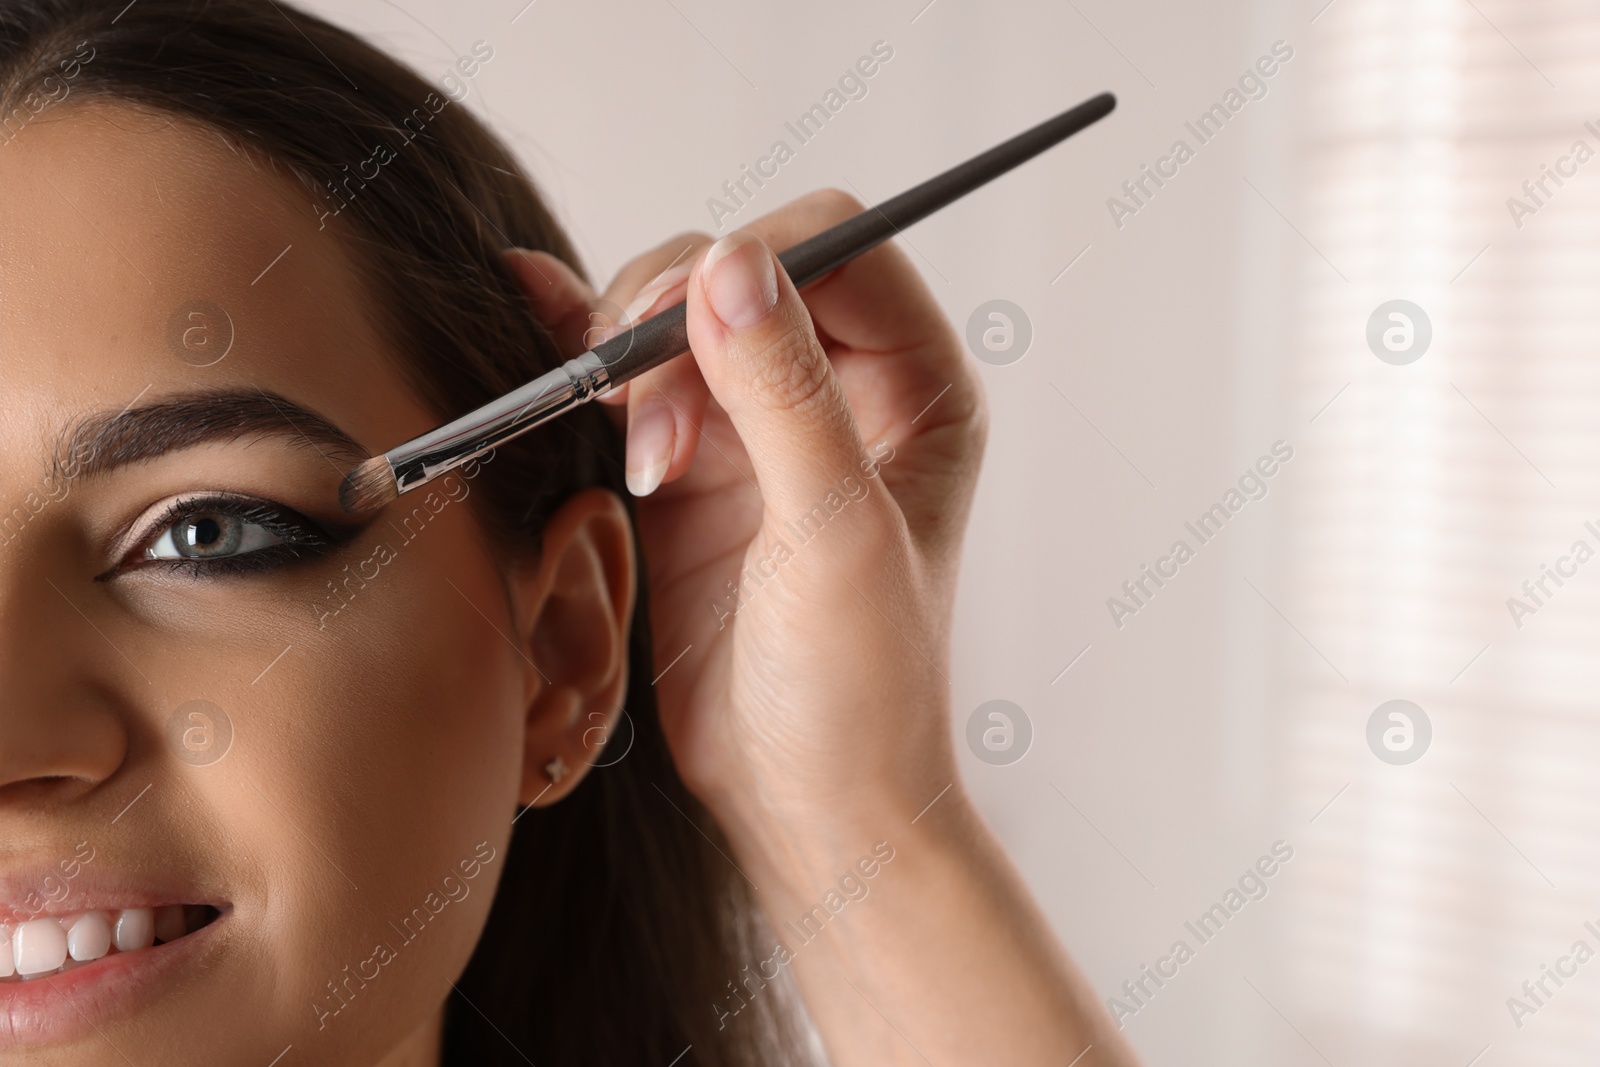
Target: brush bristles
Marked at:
369, 487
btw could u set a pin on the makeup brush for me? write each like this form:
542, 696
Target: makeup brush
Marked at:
655, 340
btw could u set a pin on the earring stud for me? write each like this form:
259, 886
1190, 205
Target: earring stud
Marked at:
555, 770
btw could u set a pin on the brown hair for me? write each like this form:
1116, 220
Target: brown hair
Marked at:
617, 926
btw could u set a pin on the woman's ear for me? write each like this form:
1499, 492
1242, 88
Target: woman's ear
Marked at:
574, 610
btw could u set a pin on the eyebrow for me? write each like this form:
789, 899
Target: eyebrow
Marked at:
104, 441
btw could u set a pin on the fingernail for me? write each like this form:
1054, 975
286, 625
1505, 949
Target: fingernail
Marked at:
740, 280
647, 297
651, 435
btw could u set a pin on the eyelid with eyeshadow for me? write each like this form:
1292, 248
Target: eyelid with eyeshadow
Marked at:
300, 537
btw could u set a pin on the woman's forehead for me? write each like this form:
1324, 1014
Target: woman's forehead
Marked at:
147, 256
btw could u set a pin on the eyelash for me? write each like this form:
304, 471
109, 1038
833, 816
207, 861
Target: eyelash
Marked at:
303, 539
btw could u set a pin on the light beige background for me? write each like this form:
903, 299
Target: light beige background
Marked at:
1229, 313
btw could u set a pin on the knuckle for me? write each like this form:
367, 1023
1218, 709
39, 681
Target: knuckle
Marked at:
674, 249
675, 245
972, 407
832, 204
980, 419
790, 371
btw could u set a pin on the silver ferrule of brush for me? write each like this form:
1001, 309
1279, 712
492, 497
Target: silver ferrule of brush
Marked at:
575, 382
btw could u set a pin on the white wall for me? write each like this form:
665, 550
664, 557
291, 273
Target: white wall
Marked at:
1219, 319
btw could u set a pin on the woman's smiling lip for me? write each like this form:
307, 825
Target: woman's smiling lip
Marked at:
68, 1005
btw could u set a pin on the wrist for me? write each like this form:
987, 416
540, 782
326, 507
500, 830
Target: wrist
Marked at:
795, 851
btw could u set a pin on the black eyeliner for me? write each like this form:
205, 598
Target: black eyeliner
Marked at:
304, 539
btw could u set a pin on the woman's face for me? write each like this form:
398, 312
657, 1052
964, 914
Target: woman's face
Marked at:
219, 698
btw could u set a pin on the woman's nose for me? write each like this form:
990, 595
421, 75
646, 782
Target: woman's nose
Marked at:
61, 733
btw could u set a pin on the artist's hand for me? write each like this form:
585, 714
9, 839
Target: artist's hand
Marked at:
820, 453
806, 477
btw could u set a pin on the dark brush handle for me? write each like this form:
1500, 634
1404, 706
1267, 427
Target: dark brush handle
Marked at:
661, 337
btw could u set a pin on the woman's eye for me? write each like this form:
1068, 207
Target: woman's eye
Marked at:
222, 535
211, 535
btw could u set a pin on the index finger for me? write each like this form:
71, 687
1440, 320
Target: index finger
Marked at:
875, 302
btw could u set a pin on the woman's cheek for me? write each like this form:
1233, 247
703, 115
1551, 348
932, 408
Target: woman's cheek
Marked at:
374, 758
413, 705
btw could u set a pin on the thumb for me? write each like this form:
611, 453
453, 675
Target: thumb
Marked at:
758, 352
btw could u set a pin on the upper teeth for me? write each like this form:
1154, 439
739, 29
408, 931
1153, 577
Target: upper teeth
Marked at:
41, 946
